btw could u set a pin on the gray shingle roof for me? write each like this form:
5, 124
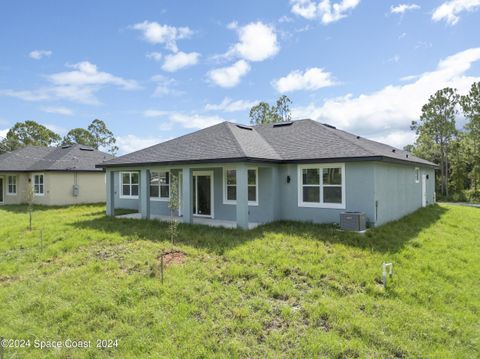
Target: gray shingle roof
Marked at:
36, 158
297, 141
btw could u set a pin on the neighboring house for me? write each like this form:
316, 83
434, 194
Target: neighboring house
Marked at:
246, 175
56, 175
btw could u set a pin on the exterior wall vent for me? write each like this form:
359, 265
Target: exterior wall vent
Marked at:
243, 127
282, 124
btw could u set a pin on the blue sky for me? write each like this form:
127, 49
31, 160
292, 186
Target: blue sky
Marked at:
153, 70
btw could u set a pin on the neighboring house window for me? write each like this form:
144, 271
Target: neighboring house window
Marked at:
12, 185
129, 184
417, 175
321, 186
230, 186
160, 185
38, 185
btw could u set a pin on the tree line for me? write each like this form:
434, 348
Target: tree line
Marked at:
455, 150
31, 133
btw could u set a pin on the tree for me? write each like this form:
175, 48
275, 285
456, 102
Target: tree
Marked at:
173, 206
263, 113
437, 126
471, 109
29, 133
103, 136
282, 108
80, 136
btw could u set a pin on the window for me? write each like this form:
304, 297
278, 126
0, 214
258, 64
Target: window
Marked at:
321, 186
160, 185
417, 175
230, 186
12, 185
38, 185
129, 184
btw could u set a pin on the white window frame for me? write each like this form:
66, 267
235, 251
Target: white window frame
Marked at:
321, 204
14, 184
250, 203
159, 198
417, 174
120, 181
43, 184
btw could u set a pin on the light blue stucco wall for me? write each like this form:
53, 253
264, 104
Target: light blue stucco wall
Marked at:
396, 191
359, 193
383, 191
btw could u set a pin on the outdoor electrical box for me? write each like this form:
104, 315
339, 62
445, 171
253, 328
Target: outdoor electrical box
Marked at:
76, 190
353, 221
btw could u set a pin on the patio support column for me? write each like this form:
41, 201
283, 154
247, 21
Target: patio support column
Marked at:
187, 204
145, 193
242, 196
110, 178
275, 185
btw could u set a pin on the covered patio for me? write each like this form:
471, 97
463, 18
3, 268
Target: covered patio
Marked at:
199, 194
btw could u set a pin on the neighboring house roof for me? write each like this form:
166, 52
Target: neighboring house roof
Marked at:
66, 158
296, 141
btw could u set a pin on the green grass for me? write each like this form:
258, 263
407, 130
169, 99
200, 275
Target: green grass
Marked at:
282, 290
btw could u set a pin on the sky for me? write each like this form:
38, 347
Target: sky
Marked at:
155, 70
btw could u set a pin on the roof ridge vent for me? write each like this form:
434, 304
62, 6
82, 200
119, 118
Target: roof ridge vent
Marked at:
86, 149
394, 150
329, 126
244, 127
66, 146
282, 124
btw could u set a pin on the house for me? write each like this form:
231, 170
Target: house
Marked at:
53, 175
233, 174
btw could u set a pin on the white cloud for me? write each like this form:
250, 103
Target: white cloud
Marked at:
156, 56
78, 85
165, 86
450, 10
229, 105
180, 60
86, 74
62, 131
403, 8
312, 79
3, 133
131, 143
156, 33
39, 54
190, 121
229, 76
326, 11
390, 110
256, 42
58, 110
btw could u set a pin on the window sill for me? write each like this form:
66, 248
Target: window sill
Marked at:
128, 197
322, 205
157, 199
39, 194
11, 194
234, 203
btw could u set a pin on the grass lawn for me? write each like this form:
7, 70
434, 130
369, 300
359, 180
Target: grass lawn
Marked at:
281, 290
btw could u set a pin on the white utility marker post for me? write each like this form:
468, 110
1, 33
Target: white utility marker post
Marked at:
384, 272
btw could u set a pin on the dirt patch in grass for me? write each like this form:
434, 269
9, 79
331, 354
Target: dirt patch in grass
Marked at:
173, 257
5, 279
